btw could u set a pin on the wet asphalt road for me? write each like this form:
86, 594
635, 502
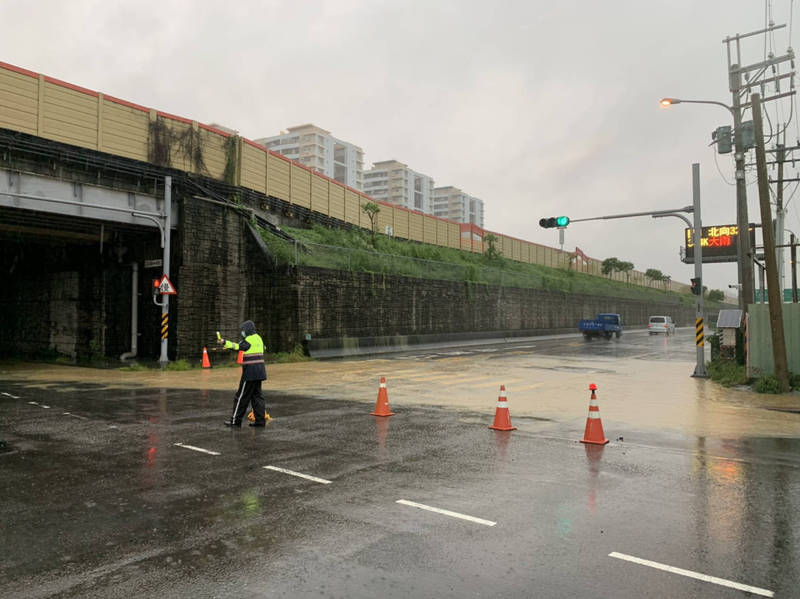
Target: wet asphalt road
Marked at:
108, 494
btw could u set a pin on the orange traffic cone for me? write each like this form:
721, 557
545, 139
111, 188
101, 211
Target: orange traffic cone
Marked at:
594, 426
206, 362
240, 357
502, 419
382, 405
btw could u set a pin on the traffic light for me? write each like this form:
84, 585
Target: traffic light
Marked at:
554, 221
696, 286
722, 136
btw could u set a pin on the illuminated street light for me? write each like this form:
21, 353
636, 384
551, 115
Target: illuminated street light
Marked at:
745, 266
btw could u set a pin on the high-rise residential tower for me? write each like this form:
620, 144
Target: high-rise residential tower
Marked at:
320, 151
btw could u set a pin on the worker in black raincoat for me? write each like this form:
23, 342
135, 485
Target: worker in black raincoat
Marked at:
253, 372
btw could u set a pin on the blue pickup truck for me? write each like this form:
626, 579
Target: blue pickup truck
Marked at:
604, 325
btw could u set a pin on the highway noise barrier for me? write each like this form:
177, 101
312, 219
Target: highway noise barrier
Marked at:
594, 426
206, 362
502, 419
240, 357
252, 417
382, 405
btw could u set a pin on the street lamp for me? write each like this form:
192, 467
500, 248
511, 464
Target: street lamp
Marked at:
743, 253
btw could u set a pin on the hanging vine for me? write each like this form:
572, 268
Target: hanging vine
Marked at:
166, 144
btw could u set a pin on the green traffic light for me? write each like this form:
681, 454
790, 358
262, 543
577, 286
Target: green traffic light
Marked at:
562, 221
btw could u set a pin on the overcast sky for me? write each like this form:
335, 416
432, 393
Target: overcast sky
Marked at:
538, 108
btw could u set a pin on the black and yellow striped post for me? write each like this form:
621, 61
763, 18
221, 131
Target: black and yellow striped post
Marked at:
699, 332
164, 326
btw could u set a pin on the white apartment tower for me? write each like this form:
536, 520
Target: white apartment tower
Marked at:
317, 149
393, 182
450, 202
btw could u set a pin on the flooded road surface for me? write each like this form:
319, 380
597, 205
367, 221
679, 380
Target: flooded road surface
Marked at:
121, 484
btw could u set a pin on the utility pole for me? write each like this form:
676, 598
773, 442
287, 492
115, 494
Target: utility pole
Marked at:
780, 213
793, 255
744, 251
773, 287
754, 76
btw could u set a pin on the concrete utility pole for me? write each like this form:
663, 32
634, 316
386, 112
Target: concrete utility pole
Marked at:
773, 287
780, 213
793, 254
744, 251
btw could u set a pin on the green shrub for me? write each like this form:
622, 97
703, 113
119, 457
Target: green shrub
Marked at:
727, 373
296, 355
767, 384
179, 365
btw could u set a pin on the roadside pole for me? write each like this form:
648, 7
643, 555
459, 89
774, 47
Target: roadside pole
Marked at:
163, 360
775, 293
700, 366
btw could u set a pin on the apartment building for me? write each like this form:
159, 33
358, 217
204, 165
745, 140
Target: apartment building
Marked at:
393, 182
450, 202
320, 151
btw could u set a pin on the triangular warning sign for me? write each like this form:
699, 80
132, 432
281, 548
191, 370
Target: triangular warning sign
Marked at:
165, 286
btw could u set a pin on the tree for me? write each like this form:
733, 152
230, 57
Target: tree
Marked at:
491, 252
371, 209
611, 265
716, 295
654, 274
626, 267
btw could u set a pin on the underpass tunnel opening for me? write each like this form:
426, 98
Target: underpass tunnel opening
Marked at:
67, 288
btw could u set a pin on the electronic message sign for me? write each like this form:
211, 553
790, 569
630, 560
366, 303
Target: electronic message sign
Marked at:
719, 243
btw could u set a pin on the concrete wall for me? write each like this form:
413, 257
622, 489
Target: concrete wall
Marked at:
226, 276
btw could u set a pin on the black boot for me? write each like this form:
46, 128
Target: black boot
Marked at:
233, 423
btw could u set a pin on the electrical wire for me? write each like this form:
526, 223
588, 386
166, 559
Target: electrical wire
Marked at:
719, 170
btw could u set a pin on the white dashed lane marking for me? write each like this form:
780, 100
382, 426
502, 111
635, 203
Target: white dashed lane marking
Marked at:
437, 510
9, 395
299, 474
696, 575
200, 449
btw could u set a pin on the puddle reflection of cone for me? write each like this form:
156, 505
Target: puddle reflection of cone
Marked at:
206, 362
594, 426
502, 419
382, 405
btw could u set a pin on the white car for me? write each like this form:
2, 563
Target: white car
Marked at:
661, 324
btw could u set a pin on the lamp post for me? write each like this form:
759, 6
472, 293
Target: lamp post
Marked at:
744, 251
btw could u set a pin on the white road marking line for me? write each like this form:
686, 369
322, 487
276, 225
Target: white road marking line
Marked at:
200, 449
11, 396
293, 473
45, 407
33, 403
75, 415
422, 506
690, 574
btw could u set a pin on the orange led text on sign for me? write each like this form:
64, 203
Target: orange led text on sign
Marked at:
714, 236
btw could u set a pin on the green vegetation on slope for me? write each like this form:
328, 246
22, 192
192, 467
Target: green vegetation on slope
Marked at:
341, 249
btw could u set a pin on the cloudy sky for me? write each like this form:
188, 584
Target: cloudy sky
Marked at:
538, 108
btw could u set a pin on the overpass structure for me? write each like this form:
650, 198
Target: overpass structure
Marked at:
82, 214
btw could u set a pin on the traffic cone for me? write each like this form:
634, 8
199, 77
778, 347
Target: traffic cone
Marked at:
382, 405
252, 417
594, 426
240, 357
206, 362
502, 419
